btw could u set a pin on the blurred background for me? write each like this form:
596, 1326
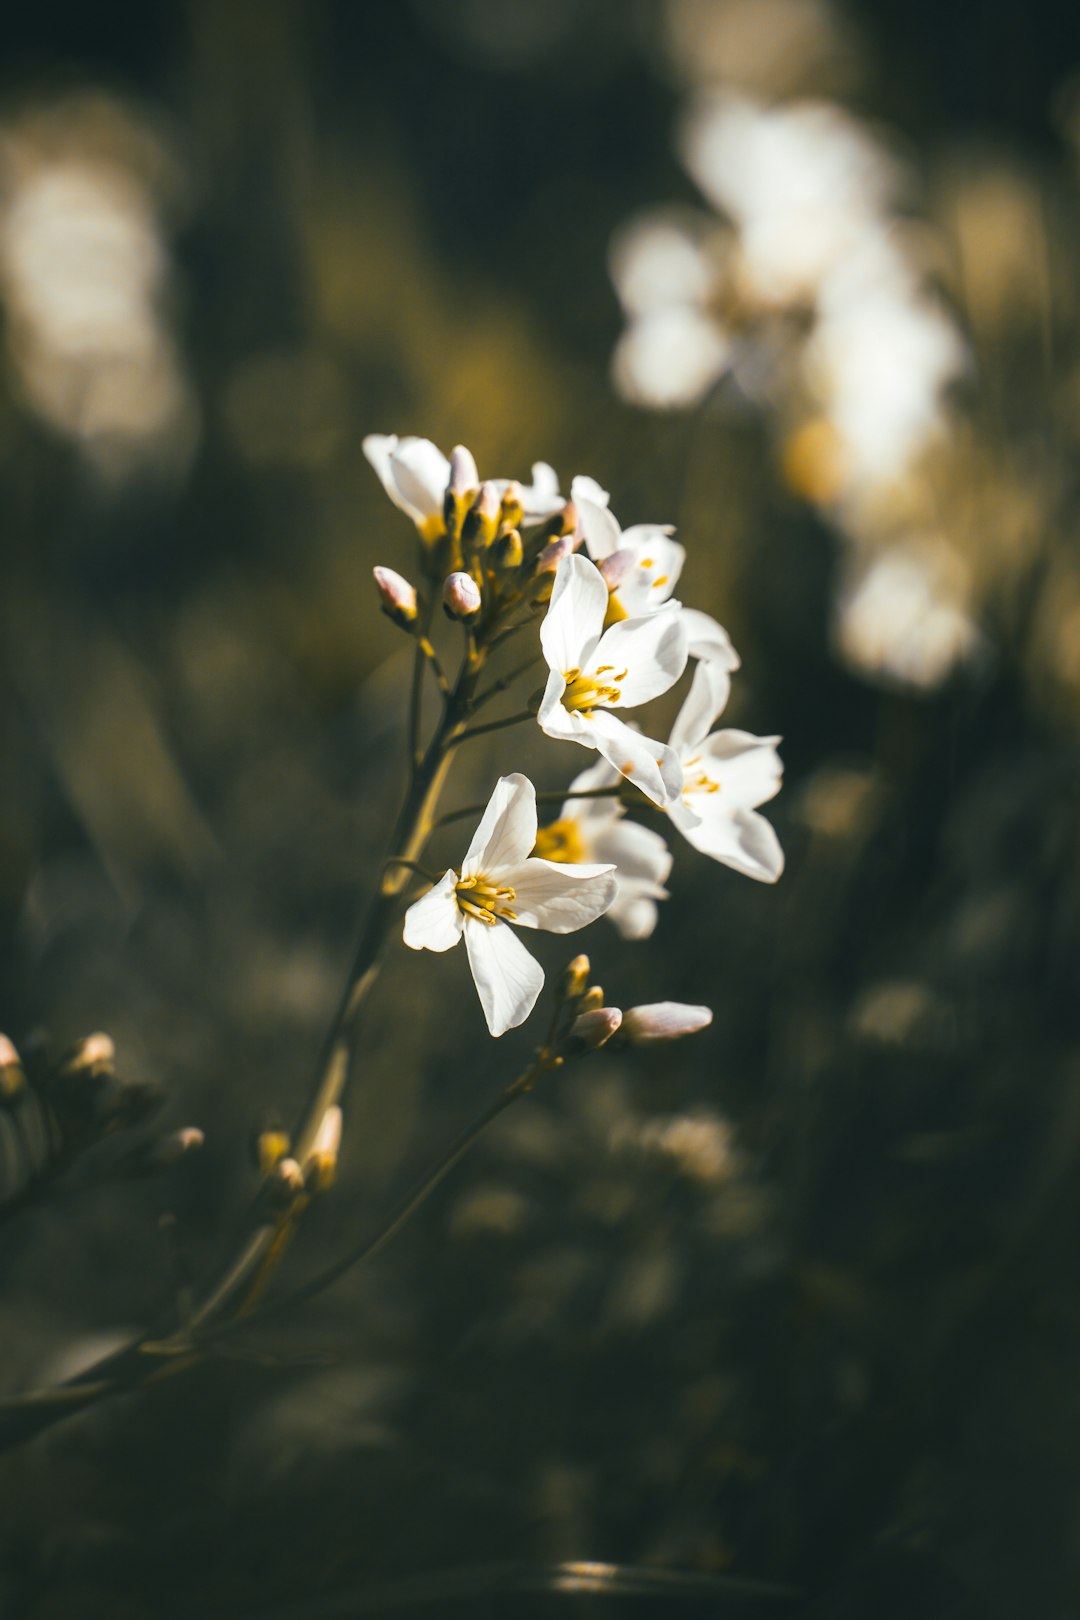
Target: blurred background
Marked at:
792, 1303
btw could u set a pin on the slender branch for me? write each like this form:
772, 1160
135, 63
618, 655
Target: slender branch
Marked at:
495, 725
416, 694
436, 668
506, 680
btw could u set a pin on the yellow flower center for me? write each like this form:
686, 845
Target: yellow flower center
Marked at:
561, 841
479, 897
699, 783
584, 692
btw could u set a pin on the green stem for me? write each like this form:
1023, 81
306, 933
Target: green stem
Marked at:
496, 725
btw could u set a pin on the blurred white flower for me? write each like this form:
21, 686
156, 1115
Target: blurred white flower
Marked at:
799, 181
501, 882
726, 775
595, 830
594, 671
902, 616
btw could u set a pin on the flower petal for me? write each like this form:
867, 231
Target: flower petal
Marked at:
507, 830
557, 896
640, 854
555, 720
599, 527
575, 615
741, 839
748, 768
658, 562
508, 979
421, 473
652, 651
698, 712
433, 923
652, 766
583, 488
634, 914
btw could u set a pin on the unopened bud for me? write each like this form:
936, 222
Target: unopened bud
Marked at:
286, 1182
461, 596
321, 1164
571, 523
170, 1149
270, 1146
12, 1079
508, 552
482, 520
554, 552
513, 508
461, 490
614, 568
575, 978
398, 596
94, 1055
663, 1021
591, 1029
592, 999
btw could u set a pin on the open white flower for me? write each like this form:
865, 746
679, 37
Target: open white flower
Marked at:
594, 670
726, 775
641, 568
501, 882
416, 475
595, 830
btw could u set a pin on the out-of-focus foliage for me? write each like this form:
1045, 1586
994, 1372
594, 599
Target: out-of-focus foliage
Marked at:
795, 1302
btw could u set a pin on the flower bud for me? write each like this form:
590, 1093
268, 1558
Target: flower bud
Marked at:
591, 1029
592, 999
554, 552
321, 1164
481, 523
93, 1055
12, 1079
461, 490
461, 596
285, 1182
614, 568
270, 1147
575, 978
663, 1021
513, 509
170, 1149
398, 596
508, 552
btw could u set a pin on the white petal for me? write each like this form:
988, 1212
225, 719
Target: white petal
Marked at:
708, 639
594, 814
652, 766
507, 831
421, 473
634, 914
652, 651
741, 839
583, 488
658, 562
508, 979
640, 854
555, 720
433, 923
557, 896
575, 615
699, 710
541, 498
379, 449
598, 525
748, 768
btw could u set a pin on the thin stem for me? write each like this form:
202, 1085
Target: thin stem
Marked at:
495, 725
413, 866
506, 680
436, 668
416, 694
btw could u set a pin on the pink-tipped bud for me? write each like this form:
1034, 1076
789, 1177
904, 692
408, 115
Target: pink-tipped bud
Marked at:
321, 1164
664, 1021
615, 568
398, 598
554, 552
591, 1029
571, 521
464, 478
481, 522
286, 1181
461, 596
94, 1055
170, 1149
12, 1079
575, 978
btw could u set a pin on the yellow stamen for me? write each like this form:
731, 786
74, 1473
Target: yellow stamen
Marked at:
584, 692
561, 841
487, 901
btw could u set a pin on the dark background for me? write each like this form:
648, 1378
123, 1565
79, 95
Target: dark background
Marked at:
838, 1353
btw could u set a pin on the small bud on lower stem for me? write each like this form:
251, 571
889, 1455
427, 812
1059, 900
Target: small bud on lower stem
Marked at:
321, 1164
592, 999
461, 596
592, 1029
663, 1021
398, 596
575, 978
12, 1079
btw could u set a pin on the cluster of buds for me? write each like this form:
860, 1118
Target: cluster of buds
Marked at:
289, 1175
590, 1023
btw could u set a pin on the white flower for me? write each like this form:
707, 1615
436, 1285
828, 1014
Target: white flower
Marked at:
641, 567
902, 617
500, 882
594, 830
594, 671
415, 474
726, 775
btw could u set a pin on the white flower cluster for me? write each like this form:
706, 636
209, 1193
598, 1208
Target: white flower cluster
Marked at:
613, 637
